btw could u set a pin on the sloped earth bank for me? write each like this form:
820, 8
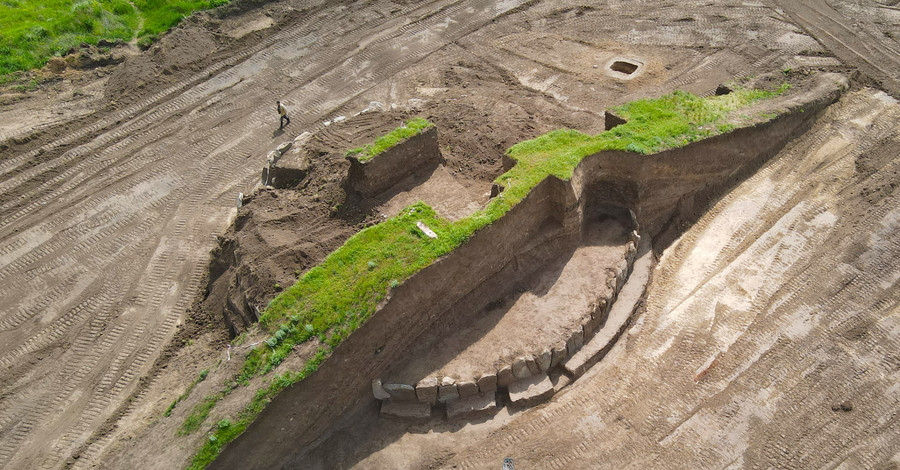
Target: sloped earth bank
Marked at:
111, 190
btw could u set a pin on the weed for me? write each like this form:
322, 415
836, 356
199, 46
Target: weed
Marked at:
200, 378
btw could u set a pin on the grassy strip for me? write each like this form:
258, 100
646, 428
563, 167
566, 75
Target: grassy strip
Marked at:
406, 130
336, 297
226, 430
32, 31
200, 378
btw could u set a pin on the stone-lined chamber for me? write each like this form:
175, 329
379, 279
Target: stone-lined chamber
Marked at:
666, 191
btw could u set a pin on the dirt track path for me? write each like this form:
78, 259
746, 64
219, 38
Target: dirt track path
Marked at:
103, 246
874, 56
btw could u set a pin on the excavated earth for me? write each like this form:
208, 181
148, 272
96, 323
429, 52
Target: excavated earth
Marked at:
767, 336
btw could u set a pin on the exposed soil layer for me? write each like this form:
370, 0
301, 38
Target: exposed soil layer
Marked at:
111, 192
545, 294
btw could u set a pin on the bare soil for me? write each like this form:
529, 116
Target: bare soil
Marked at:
117, 182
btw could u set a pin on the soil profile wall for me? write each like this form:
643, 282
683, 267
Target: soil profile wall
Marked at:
665, 191
301, 413
414, 155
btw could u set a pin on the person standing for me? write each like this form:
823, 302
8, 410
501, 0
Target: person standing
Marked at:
283, 113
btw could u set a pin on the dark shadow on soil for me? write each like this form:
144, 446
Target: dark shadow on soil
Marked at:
363, 431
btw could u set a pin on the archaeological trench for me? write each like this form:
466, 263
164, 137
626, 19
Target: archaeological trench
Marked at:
522, 309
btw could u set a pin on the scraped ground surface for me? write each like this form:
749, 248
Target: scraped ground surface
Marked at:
110, 202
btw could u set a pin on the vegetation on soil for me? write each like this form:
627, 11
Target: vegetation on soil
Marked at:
200, 378
33, 31
334, 298
406, 130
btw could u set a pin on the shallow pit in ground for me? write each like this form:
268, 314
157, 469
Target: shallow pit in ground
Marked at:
547, 291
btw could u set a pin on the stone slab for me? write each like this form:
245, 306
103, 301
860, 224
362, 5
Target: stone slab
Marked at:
487, 383
520, 368
530, 391
427, 390
544, 359
475, 406
505, 376
531, 363
467, 389
401, 392
379, 391
447, 393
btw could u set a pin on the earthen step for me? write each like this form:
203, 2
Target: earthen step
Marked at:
621, 311
530, 391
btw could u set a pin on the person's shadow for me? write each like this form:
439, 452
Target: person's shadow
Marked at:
278, 132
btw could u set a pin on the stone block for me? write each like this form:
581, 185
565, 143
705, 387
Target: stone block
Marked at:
401, 392
532, 364
475, 406
407, 410
587, 327
447, 391
558, 354
544, 359
284, 147
379, 391
467, 388
427, 390
302, 139
520, 368
487, 383
505, 376
579, 338
531, 391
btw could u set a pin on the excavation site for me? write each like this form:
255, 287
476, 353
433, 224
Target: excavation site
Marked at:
458, 234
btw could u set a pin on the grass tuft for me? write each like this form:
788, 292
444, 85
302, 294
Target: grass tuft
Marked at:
203, 374
33, 31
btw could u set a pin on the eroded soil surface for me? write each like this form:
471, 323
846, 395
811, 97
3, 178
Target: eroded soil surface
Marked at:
115, 183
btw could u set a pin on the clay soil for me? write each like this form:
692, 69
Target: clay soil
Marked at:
116, 184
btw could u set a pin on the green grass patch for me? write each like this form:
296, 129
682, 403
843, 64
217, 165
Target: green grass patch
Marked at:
200, 378
199, 413
32, 31
406, 130
334, 298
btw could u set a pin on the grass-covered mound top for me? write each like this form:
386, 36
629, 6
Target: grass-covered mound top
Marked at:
32, 31
336, 297
408, 129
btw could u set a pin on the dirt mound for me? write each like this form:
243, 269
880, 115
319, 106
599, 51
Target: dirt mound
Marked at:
185, 49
